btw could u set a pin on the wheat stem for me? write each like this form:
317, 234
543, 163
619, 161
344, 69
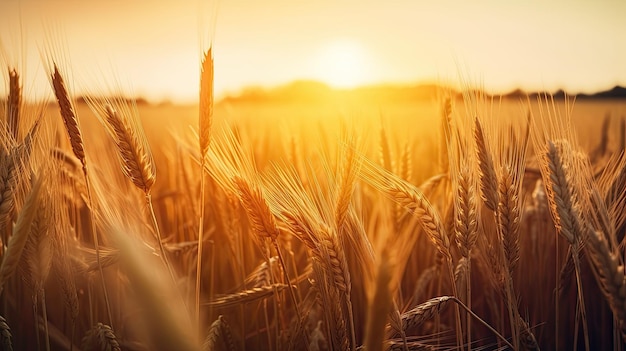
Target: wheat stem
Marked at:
581, 299
44, 311
495, 332
160, 239
200, 242
97, 247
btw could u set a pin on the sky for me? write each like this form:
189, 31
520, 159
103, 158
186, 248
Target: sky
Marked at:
153, 47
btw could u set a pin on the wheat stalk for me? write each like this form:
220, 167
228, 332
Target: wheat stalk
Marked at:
379, 306
62, 265
246, 296
70, 121
445, 137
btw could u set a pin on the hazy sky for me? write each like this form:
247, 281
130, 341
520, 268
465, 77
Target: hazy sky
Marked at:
154, 46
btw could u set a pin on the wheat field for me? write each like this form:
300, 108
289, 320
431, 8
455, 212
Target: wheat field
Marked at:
460, 222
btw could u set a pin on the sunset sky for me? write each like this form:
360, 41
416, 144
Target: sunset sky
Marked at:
154, 46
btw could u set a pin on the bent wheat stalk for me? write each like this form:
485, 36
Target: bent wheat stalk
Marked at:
76, 141
433, 307
264, 225
135, 157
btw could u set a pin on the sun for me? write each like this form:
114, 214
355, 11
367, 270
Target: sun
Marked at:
342, 64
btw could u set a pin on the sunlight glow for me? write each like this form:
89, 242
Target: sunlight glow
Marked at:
342, 64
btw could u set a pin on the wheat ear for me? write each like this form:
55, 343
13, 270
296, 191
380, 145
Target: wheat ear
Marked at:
206, 102
509, 217
414, 201
219, 330
68, 114
13, 162
334, 257
135, 157
488, 178
565, 211
10, 177
558, 188
5, 335
14, 104
137, 162
100, 337
610, 276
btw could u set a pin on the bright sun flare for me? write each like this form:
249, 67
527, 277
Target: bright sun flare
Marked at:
342, 64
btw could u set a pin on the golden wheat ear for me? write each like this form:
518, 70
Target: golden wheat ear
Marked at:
14, 104
609, 272
68, 114
134, 152
206, 102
